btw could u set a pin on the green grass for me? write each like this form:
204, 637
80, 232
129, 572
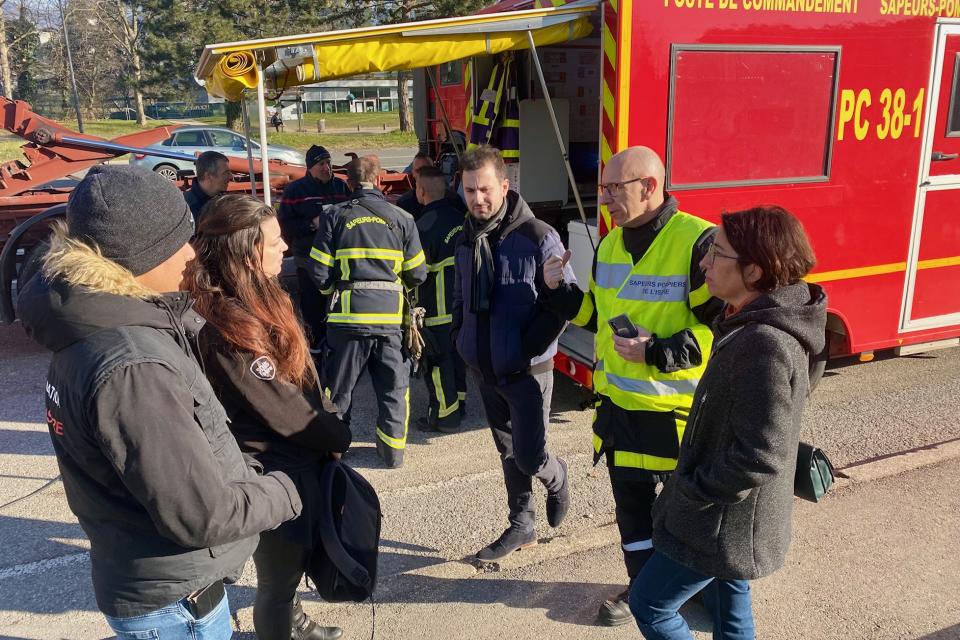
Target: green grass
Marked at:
340, 141
333, 120
114, 128
343, 141
10, 148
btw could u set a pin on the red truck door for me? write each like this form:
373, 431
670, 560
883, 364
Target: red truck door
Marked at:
933, 267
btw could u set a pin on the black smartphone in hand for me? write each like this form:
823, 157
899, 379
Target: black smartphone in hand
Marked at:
622, 326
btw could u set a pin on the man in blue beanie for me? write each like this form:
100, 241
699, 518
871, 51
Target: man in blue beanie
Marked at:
170, 505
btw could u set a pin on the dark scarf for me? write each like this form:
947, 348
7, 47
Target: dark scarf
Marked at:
484, 270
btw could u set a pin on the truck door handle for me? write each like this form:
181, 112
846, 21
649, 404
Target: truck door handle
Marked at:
939, 156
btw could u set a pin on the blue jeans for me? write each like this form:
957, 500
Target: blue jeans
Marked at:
663, 585
175, 622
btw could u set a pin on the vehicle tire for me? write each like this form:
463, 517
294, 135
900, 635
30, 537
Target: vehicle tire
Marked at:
168, 171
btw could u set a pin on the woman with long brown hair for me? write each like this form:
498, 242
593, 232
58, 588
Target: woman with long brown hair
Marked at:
257, 360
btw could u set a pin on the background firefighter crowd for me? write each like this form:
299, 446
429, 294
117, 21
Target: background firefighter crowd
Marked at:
376, 288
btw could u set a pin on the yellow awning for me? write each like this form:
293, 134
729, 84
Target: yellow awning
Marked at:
227, 69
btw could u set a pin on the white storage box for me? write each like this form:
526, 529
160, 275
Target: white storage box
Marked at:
581, 258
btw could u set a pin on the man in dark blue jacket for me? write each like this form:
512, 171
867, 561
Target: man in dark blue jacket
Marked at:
303, 202
508, 339
213, 176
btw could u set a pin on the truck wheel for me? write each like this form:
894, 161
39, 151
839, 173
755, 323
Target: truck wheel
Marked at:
168, 171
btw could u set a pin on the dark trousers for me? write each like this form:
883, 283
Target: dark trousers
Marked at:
459, 374
634, 489
634, 500
440, 376
350, 355
280, 566
518, 413
313, 308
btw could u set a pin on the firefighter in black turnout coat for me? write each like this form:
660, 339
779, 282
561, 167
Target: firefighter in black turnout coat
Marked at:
439, 225
366, 255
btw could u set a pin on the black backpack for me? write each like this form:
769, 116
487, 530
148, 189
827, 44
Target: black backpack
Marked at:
343, 565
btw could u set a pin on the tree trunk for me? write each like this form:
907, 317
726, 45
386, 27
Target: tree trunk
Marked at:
5, 76
137, 92
233, 116
141, 110
402, 79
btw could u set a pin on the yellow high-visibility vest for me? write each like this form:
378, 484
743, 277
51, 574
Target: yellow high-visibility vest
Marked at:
656, 294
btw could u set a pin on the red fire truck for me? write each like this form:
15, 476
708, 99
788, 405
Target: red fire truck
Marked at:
846, 112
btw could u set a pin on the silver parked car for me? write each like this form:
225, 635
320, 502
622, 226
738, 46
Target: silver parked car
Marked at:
195, 139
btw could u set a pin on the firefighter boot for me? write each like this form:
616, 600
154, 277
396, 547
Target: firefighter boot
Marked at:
392, 458
306, 629
615, 611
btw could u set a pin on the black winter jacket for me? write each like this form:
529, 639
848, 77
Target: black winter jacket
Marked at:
726, 510
196, 199
440, 226
366, 240
149, 467
284, 427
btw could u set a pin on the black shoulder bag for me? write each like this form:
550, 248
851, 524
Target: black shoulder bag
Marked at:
344, 567
814, 471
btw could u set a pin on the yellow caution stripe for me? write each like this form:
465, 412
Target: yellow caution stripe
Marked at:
880, 269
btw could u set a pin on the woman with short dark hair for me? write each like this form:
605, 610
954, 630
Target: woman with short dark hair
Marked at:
257, 359
723, 517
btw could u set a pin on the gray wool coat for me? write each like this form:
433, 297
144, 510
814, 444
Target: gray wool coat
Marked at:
726, 510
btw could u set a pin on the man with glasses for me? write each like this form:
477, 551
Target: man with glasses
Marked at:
646, 271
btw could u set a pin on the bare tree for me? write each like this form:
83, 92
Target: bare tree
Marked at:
98, 63
6, 44
124, 22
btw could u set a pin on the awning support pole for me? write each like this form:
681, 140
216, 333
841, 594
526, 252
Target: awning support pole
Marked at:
443, 114
246, 133
556, 130
262, 109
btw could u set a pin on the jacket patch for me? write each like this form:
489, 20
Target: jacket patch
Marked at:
263, 368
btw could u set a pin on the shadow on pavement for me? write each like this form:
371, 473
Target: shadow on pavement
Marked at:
950, 633
573, 603
24, 443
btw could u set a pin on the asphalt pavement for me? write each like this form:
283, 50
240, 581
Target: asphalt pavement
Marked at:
875, 560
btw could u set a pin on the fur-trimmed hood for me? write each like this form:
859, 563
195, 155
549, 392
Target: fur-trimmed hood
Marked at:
79, 292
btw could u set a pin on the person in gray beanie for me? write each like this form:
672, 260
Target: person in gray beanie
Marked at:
134, 219
171, 506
